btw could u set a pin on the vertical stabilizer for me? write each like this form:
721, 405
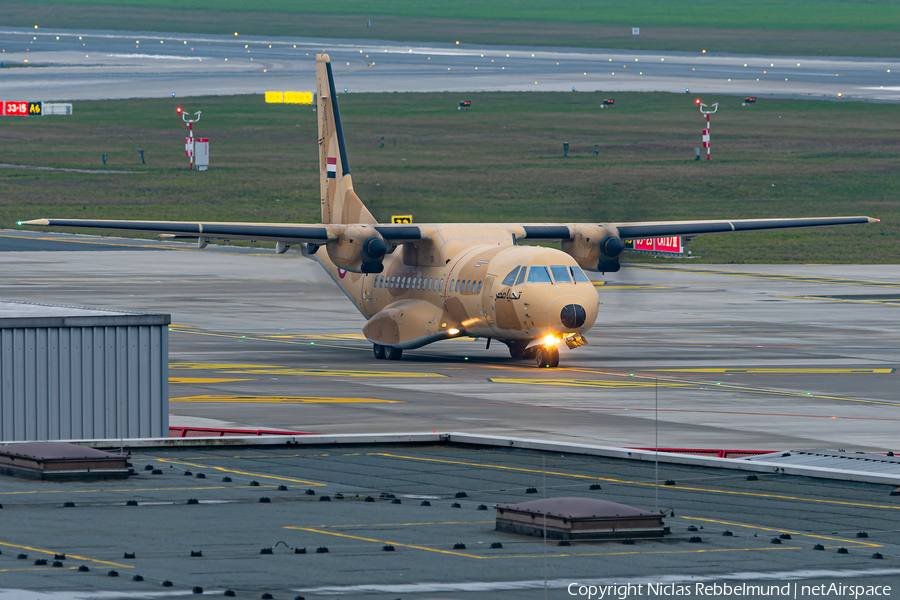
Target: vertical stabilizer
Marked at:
340, 204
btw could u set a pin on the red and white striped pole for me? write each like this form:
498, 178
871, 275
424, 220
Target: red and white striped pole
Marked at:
706, 138
705, 114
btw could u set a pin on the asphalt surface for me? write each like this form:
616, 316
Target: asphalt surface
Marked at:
753, 357
92, 65
440, 550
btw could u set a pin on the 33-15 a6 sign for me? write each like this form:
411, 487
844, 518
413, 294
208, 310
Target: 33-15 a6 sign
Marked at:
22, 108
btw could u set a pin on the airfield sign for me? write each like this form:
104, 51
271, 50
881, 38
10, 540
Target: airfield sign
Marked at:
21, 108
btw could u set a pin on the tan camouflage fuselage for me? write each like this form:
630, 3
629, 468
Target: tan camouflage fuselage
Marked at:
419, 303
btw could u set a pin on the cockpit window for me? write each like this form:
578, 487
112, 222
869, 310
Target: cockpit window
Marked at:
511, 278
578, 275
521, 276
538, 275
560, 274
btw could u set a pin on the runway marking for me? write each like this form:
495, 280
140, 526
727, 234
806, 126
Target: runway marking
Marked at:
821, 537
674, 410
773, 276
203, 380
356, 537
554, 555
767, 371
641, 483
42, 551
882, 302
593, 383
277, 370
283, 400
223, 469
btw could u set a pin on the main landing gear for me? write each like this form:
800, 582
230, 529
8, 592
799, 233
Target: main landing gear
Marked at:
388, 352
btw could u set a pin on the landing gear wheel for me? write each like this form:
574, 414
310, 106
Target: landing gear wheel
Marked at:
379, 351
391, 353
548, 358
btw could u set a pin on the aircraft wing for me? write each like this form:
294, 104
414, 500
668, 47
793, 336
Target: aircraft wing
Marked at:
672, 228
275, 232
654, 229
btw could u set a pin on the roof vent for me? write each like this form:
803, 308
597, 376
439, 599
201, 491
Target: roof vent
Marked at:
578, 519
60, 461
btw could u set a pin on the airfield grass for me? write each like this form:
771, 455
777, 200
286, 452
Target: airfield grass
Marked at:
500, 161
793, 27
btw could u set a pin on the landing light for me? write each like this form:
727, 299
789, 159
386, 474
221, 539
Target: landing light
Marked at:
453, 331
549, 340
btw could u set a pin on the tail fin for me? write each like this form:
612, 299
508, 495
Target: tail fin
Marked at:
340, 204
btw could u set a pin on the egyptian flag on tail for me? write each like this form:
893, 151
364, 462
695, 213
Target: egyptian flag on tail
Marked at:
332, 166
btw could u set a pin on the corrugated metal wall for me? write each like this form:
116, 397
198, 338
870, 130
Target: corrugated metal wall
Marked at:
84, 382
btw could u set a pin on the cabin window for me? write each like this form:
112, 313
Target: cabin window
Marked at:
479, 287
560, 274
578, 275
521, 276
538, 275
440, 284
511, 278
456, 286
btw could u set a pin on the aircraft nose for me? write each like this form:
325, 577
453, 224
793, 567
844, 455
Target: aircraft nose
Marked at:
573, 316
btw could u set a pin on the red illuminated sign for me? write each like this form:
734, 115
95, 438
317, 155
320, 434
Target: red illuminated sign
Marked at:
21, 108
671, 245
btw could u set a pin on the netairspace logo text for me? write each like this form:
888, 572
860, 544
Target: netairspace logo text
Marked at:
725, 590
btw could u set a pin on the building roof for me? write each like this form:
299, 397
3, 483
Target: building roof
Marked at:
16, 314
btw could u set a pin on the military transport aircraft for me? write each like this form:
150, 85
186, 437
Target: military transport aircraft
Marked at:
418, 284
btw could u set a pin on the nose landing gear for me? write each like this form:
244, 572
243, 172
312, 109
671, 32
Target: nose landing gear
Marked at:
548, 357
387, 352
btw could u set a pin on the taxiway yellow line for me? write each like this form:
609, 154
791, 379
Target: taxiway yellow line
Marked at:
224, 470
821, 537
404, 524
277, 370
364, 539
204, 380
641, 483
68, 556
282, 400
130, 490
766, 371
733, 387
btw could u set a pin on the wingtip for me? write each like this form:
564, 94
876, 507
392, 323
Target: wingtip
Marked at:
871, 220
34, 222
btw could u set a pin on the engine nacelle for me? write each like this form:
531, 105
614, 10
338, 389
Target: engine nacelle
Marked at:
595, 247
359, 249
